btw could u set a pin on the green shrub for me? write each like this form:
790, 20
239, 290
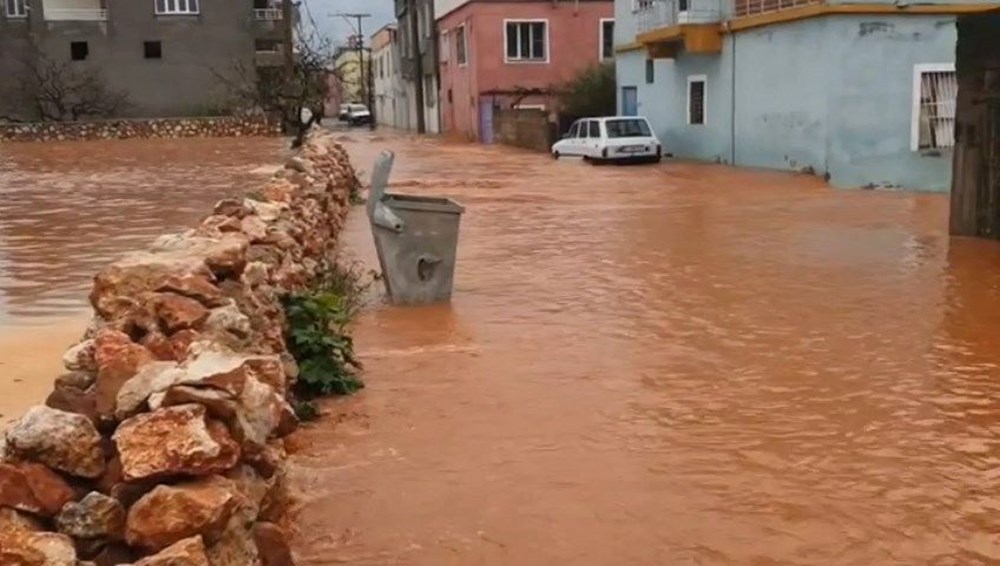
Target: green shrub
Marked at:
592, 92
318, 336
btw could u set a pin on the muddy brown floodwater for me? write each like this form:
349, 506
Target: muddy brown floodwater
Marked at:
67, 209
674, 365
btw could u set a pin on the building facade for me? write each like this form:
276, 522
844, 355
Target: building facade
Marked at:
863, 94
165, 55
391, 104
418, 62
515, 53
352, 66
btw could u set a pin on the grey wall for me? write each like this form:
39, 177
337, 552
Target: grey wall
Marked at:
831, 95
182, 82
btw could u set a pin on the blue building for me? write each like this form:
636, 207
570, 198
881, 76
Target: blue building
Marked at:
863, 94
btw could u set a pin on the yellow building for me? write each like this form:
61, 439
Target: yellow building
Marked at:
352, 68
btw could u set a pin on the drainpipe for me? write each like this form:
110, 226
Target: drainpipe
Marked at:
732, 117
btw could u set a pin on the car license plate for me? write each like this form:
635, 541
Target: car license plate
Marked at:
633, 148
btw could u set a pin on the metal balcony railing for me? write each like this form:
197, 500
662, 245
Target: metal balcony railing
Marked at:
742, 8
267, 14
76, 14
653, 14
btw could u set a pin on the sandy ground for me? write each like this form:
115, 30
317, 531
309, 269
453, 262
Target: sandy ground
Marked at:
30, 359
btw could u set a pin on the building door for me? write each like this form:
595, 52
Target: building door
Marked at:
630, 101
486, 121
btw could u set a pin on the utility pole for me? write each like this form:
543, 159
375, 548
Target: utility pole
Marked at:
366, 79
287, 25
418, 64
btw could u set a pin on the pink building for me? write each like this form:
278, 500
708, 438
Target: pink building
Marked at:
515, 52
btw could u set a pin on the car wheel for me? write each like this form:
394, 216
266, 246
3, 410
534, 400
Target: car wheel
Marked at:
555, 155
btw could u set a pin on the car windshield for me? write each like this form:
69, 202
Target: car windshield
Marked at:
627, 128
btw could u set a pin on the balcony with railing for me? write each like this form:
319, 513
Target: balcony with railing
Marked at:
75, 11
667, 27
655, 14
268, 14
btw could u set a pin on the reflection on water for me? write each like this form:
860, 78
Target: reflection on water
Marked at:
67, 209
668, 365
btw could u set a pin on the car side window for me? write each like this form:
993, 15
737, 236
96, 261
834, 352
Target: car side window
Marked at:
595, 129
573, 130
582, 132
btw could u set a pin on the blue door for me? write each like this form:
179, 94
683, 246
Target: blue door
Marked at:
630, 101
486, 121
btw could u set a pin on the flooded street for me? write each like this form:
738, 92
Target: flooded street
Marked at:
68, 209
668, 365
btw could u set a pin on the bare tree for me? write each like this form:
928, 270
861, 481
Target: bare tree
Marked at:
62, 91
286, 92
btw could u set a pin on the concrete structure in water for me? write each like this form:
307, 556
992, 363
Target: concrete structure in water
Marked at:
975, 197
503, 53
164, 54
863, 94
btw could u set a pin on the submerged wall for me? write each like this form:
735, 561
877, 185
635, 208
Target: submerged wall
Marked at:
162, 444
210, 127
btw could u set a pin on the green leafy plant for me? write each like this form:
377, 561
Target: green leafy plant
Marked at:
591, 92
318, 335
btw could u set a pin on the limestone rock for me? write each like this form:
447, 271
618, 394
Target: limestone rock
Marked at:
187, 552
81, 380
176, 312
81, 357
33, 488
169, 514
94, 516
229, 319
174, 441
142, 272
74, 400
153, 378
272, 545
254, 227
235, 546
12, 521
23, 548
63, 441
119, 359
197, 287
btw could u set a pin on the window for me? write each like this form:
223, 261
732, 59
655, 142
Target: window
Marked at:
607, 39
527, 41
444, 52
696, 99
267, 45
175, 7
594, 129
78, 50
153, 49
642, 5
628, 128
935, 94
650, 72
16, 8
573, 130
461, 53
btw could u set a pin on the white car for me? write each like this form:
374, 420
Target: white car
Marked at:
618, 138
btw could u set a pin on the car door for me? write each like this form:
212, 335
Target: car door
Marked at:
570, 144
592, 145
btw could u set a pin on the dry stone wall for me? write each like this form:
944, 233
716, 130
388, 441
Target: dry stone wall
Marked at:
212, 127
162, 444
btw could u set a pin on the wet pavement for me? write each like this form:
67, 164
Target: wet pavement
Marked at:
67, 209
682, 364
